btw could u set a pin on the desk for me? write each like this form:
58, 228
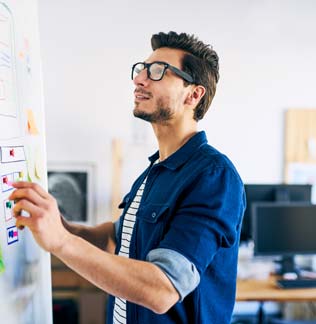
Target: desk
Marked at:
67, 284
267, 290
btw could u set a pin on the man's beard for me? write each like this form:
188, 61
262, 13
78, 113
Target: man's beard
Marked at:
161, 113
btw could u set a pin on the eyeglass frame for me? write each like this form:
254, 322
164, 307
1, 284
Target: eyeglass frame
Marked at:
185, 76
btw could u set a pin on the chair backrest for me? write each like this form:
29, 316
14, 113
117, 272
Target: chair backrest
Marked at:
280, 321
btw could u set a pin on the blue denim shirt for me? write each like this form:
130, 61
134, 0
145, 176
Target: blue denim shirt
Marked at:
193, 204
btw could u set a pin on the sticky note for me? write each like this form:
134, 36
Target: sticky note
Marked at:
37, 172
8, 206
18, 176
29, 179
2, 267
39, 164
30, 163
31, 124
12, 234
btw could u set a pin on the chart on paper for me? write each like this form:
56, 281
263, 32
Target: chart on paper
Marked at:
8, 96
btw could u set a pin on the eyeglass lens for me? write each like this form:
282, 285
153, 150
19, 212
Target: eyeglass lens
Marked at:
155, 70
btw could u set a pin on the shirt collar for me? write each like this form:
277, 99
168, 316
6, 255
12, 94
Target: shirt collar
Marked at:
183, 153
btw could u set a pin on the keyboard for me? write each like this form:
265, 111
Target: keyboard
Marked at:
296, 283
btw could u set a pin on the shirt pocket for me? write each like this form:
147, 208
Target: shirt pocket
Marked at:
151, 213
151, 219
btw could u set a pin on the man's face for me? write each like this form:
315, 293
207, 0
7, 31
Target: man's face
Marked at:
160, 101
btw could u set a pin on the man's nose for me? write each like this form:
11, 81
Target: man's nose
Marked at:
141, 78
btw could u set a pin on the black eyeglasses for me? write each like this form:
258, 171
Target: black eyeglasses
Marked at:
156, 71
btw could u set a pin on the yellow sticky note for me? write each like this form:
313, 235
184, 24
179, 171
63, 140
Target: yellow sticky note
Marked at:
21, 175
30, 163
31, 124
29, 179
39, 164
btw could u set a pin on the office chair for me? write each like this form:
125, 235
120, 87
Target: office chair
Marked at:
281, 321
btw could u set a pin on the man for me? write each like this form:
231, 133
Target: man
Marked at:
176, 243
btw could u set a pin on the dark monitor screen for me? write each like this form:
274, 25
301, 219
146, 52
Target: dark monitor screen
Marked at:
284, 193
284, 229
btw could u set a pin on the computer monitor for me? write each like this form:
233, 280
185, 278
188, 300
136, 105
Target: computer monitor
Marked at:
284, 193
284, 230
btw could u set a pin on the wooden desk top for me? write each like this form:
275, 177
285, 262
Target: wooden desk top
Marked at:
267, 290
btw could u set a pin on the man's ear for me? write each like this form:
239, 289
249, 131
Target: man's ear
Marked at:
195, 95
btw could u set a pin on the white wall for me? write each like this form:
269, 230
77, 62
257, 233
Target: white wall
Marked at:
267, 52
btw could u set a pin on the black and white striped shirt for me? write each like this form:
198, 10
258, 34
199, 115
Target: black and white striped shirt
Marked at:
119, 312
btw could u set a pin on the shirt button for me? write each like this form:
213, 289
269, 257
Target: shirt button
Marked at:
153, 215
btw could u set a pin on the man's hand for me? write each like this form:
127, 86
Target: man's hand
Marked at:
140, 282
44, 220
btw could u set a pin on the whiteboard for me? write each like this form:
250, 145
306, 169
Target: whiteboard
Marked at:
25, 278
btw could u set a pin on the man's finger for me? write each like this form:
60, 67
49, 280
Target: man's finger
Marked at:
29, 194
24, 205
31, 185
22, 221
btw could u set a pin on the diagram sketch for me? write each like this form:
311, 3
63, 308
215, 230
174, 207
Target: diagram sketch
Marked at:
9, 108
8, 88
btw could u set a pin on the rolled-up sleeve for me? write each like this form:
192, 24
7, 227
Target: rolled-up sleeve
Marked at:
181, 272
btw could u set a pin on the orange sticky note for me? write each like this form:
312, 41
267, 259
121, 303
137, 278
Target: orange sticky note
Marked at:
31, 124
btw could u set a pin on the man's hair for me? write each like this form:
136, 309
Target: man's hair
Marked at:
200, 61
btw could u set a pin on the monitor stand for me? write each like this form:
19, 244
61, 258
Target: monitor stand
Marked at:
287, 265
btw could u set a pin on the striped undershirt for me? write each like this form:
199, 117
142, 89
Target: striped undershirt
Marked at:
119, 312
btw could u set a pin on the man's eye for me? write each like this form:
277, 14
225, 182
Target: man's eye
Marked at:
157, 69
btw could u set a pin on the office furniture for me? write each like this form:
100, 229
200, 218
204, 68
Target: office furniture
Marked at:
300, 147
267, 290
280, 321
69, 286
300, 136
